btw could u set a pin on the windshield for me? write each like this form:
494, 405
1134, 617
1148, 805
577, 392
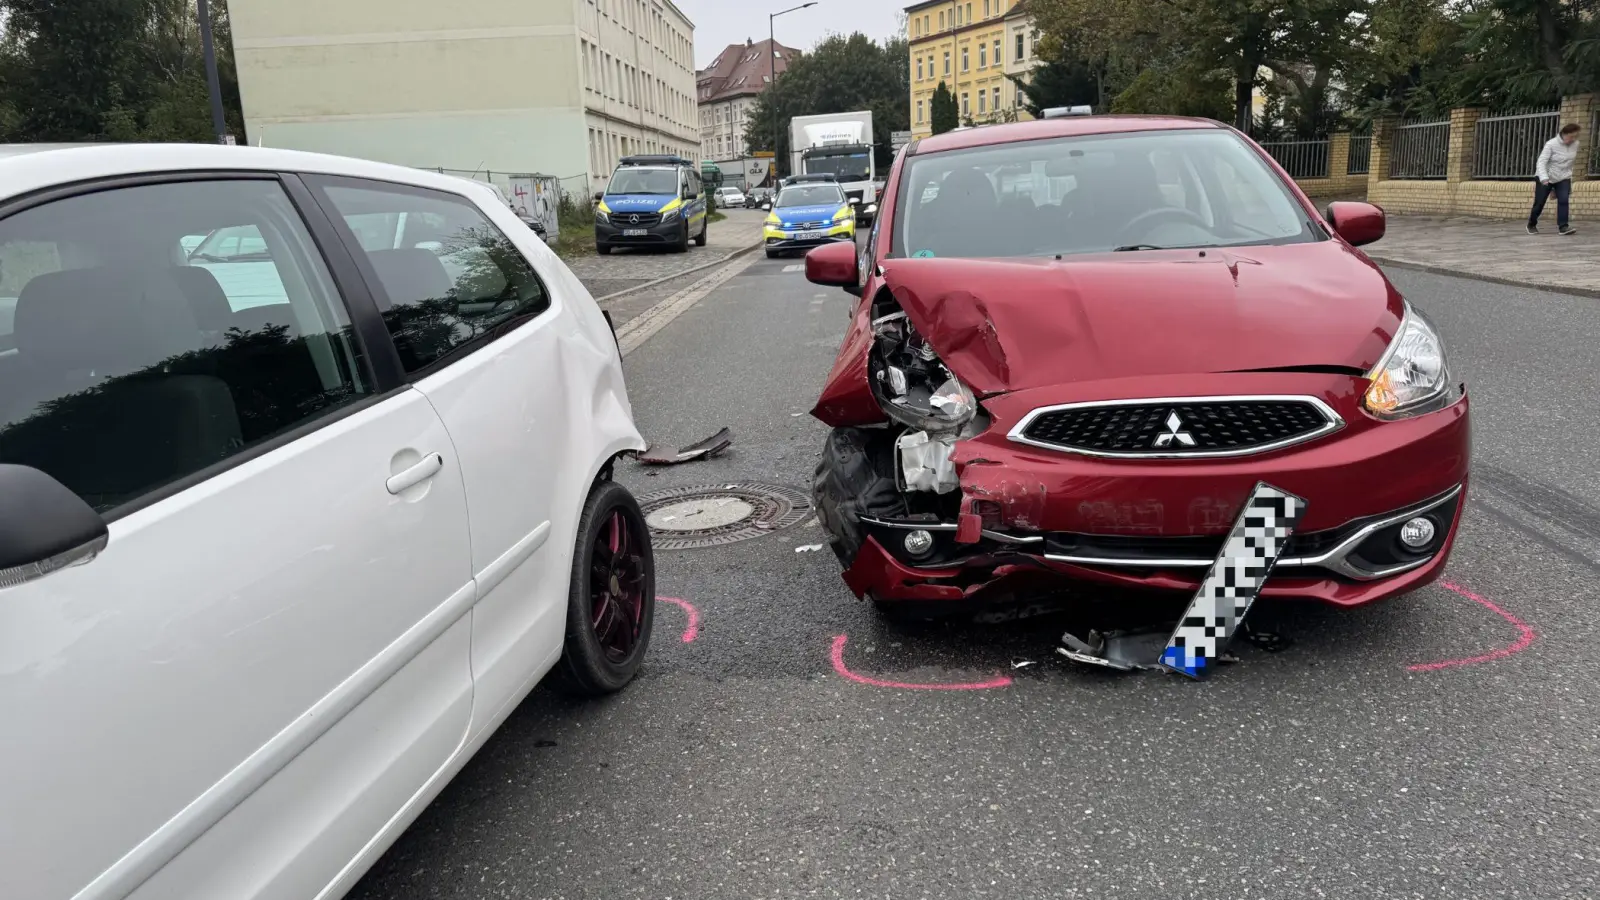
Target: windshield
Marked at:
1145, 190
644, 181
854, 166
241, 243
810, 195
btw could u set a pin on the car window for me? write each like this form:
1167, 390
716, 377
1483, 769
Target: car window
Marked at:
1094, 193
448, 275
242, 263
132, 369
810, 195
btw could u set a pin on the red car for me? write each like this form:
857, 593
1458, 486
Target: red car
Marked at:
1081, 342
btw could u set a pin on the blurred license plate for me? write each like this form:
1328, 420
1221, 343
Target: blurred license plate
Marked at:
635, 232
810, 235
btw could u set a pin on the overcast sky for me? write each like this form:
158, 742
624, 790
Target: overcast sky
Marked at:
718, 23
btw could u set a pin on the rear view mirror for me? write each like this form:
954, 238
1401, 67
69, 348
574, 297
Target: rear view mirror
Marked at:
1357, 223
598, 196
833, 265
43, 526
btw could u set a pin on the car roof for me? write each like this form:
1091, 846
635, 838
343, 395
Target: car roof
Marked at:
1066, 126
25, 168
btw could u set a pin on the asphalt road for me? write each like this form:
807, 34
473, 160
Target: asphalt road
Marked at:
742, 765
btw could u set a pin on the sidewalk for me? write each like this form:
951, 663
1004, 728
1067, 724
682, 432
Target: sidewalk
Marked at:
626, 269
1496, 250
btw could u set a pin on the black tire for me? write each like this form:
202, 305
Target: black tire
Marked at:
602, 249
700, 239
589, 666
682, 246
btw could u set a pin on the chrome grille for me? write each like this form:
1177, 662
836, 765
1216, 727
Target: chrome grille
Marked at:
1178, 427
644, 219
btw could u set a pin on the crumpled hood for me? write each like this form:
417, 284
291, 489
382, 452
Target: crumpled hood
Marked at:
1005, 325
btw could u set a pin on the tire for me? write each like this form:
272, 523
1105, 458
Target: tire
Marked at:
602, 249
682, 246
590, 665
700, 239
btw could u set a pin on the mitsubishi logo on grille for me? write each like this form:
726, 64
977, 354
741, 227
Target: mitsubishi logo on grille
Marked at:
633, 219
1174, 432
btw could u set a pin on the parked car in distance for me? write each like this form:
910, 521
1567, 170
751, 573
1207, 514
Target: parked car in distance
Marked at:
1080, 344
729, 197
305, 482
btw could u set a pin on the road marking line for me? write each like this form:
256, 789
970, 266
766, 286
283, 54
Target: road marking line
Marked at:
645, 325
797, 267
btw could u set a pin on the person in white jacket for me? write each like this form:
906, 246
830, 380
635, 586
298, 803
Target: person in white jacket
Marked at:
1554, 173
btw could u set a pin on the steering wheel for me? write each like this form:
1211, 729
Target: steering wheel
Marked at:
1165, 212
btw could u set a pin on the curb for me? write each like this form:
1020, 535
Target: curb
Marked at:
666, 278
1491, 279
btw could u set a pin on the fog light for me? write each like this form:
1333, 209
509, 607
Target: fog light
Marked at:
1417, 533
918, 542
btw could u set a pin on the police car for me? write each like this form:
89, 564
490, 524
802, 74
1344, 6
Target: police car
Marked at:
810, 210
651, 201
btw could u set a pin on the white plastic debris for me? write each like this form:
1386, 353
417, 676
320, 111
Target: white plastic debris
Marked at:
952, 401
807, 548
926, 463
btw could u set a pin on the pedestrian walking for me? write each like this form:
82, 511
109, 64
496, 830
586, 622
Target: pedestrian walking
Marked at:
1554, 173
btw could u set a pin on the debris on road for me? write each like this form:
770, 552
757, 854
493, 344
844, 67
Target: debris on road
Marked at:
808, 548
705, 449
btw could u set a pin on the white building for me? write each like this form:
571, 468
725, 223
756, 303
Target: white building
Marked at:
557, 87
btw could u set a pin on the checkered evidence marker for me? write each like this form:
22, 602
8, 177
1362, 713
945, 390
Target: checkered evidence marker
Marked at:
1259, 537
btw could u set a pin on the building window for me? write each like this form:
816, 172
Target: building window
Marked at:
995, 93
941, 20
965, 66
1019, 55
969, 12
983, 56
997, 51
947, 62
986, 9
966, 104
919, 68
982, 105
958, 15
919, 112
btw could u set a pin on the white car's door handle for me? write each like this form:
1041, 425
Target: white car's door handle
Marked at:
417, 474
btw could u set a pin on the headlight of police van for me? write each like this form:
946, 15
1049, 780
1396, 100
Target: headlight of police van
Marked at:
1413, 377
773, 221
601, 218
671, 214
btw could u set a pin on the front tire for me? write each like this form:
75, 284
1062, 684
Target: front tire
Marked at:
700, 239
682, 245
611, 599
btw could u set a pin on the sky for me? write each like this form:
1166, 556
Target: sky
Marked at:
718, 23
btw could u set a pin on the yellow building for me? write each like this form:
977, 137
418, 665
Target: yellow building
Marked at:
966, 45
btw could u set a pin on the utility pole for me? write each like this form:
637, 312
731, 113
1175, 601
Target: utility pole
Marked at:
772, 84
219, 123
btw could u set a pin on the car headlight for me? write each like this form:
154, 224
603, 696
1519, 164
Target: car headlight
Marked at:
671, 214
601, 218
1413, 377
847, 213
773, 220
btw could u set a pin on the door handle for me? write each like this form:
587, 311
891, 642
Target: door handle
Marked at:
417, 474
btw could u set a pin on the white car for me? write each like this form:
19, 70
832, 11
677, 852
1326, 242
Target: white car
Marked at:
728, 197
281, 545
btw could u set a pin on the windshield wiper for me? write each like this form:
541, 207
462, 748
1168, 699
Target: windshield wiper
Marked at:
1126, 247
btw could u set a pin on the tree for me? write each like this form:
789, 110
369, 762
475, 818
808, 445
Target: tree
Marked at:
841, 74
124, 70
1062, 81
944, 114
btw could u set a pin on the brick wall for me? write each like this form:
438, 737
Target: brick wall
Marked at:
1459, 194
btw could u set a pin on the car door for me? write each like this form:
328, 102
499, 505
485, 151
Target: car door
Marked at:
479, 336
270, 655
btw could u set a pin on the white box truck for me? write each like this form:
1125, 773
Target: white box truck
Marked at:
837, 144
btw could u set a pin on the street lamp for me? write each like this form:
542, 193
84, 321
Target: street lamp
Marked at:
213, 84
772, 83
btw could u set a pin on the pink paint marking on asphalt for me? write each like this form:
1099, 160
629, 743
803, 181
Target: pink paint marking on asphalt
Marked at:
998, 681
691, 630
1525, 635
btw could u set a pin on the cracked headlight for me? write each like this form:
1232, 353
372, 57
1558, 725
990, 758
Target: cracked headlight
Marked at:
671, 214
1413, 377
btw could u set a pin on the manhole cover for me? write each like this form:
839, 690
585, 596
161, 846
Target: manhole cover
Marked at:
709, 515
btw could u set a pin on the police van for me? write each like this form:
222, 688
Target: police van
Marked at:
651, 201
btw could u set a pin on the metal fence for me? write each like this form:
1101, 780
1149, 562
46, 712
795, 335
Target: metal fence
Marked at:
1420, 150
1507, 146
1301, 159
1360, 161
1594, 145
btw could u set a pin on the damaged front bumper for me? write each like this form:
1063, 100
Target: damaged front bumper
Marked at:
1016, 518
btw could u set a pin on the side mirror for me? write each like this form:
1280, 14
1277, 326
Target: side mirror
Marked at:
1357, 223
52, 528
766, 204
833, 265
599, 195
854, 202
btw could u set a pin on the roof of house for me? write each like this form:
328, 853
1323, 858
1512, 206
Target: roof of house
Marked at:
740, 70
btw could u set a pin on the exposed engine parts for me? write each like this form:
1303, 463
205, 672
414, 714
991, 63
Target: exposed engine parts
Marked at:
918, 391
